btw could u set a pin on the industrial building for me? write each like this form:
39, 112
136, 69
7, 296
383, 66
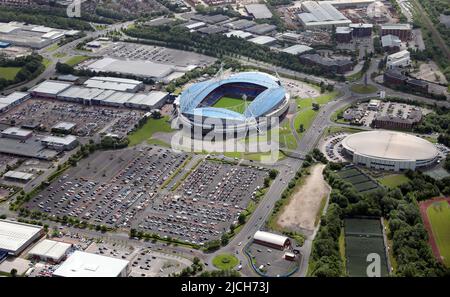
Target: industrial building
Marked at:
263, 40
56, 143
239, 34
327, 64
18, 176
50, 251
297, 49
100, 96
36, 37
341, 4
361, 30
389, 150
262, 29
258, 11
49, 88
17, 133
13, 99
398, 123
240, 24
63, 127
402, 31
114, 83
391, 43
272, 240
16, 236
146, 69
82, 264
344, 34
321, 14
398, 60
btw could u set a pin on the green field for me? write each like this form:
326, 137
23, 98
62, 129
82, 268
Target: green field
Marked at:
393, 180
439, 216
363, 89
225, 261
145, 132
286, 137
234, 104
9, 73
363, 237
76, 60
304, 117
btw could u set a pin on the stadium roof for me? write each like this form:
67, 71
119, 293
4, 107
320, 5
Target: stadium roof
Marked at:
82, 264
263, 103
390, 145
14, 235
50, 249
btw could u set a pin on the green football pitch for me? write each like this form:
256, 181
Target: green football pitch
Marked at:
439, 216
234, 104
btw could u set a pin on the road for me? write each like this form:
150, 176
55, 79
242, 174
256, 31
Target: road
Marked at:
287, 167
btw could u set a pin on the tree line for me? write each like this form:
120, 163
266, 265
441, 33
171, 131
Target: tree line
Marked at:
399, 206
31, 66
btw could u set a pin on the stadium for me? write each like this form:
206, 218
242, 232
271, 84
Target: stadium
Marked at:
234, 106
388, 150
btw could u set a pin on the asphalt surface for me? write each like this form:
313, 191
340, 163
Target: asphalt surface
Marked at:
287, 167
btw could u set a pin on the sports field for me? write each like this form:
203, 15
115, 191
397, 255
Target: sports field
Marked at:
438, 213
363, 237
393, 180
358, 179
9, 73
234, 104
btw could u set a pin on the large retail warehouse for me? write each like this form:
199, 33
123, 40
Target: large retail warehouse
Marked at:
388, 150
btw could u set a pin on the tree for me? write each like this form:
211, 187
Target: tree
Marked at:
13, 272
241, 219
301, 129
273, 174
224, 239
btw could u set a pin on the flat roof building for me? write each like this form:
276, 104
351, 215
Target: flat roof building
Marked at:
261, 29
12, 100
297, 49
139, 68
263, 40
17, 133
18, 176
50, 88
239, 34
258, 11
321, 15
399, 59
82, 264
28, 35
114, 83
65, 143
16, 236
402, 31
64, 127
50, 250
